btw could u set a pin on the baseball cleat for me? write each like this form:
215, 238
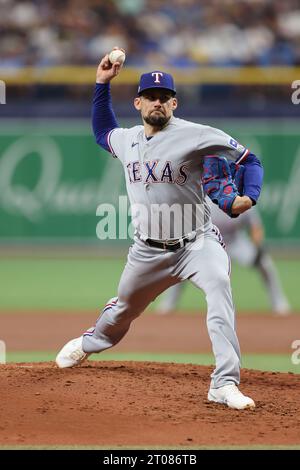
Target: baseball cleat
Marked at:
231, 396
71, 354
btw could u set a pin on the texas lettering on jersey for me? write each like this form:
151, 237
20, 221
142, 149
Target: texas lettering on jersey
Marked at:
155, 171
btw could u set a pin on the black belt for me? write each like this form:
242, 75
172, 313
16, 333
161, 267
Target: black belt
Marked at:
169, 245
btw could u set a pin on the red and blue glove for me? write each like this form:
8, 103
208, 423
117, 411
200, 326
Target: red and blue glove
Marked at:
220, 181
237, 174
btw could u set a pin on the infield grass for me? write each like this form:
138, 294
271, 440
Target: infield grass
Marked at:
72, 285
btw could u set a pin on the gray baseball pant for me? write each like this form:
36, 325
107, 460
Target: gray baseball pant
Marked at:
149, 271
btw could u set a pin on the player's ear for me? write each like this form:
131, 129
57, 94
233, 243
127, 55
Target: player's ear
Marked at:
174, 103
137, 103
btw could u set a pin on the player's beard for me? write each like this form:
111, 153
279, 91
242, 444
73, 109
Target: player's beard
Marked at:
157, 121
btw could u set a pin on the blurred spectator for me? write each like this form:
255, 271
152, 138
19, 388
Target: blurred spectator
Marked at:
181, 33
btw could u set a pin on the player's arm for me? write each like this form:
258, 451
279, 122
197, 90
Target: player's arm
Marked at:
215, 142
225, 189
103, 117
252, 175
241, 204
251, 184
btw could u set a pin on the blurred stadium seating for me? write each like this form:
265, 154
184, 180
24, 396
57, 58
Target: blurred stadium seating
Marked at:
180, 33
238, 57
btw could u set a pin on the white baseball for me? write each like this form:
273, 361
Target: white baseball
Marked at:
117, 56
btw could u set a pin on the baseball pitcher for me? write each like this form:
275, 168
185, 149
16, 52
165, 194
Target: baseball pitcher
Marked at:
172, 163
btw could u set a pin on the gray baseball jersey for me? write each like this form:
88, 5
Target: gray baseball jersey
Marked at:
167, 170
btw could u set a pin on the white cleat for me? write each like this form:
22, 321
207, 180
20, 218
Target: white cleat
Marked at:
231, 396
71, 354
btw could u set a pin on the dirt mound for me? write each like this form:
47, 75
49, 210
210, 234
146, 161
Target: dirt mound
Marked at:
141, 404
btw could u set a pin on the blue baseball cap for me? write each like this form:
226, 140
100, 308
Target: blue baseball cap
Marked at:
156, 79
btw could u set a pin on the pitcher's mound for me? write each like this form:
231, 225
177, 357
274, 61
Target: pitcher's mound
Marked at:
141, 404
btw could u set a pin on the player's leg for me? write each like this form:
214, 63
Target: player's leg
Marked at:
146, 274
208, 268
170, 299
264, 264
140, 284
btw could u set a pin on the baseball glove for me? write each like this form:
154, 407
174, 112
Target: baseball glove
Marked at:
218, 183
237, 174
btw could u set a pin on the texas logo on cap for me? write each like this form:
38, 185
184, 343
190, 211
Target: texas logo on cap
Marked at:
156, 79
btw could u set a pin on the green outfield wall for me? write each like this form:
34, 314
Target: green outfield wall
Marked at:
53, 177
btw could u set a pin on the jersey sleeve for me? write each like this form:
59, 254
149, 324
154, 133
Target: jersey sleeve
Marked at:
216, 142
120, 140
115, 142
